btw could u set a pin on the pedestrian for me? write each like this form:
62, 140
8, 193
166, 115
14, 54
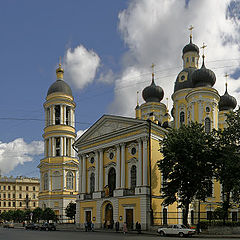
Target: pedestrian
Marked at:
136, 226
124, 228
108, 224
117, 226
139, 228
92, 226
86, 226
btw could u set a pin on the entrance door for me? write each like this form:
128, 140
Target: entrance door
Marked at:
129, 218
88, 216
109, 216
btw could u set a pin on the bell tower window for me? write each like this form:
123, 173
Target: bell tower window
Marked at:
67, 115
58, 146
57, 114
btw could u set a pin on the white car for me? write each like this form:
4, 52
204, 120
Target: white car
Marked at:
176, 229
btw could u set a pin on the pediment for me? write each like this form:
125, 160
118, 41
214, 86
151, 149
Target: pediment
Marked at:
108, 124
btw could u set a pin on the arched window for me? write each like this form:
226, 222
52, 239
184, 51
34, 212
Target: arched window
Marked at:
133, 176
207, 125
92, 182
69, 180
182, 118
57, 114
56, 180
45, 181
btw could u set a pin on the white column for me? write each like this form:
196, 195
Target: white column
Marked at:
71, 148
64, 146
73, 118
49, 147
80, 174
61, 146
139, 169
64, 114
64, 180
53, 147
84, 174
100, 169
118, 167
145, 166
122, 165
96, 171
49, 181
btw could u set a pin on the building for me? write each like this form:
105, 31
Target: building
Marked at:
18, 193
118, 175
59, 167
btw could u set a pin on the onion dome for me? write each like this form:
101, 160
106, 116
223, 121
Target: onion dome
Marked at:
227, 102
203, 77
60, 85
190, 47
184, 79
152, 93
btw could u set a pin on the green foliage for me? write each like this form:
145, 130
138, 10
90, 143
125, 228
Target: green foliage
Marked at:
27, 214
18, 216
187, 165
37, 214
49, 214
218, 213
71, 210
218, 223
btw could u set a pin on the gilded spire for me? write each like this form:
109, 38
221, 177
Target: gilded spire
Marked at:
137, 98
226, 76
59, 70
152, 66
203, 56
190, 29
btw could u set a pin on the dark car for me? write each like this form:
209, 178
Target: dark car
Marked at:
32, 226
48, 227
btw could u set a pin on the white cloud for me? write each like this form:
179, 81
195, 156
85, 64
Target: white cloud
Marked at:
156, 32
18, 152
80, 133
107, 77
81, 66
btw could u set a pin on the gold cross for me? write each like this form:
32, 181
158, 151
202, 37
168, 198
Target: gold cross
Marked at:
226, 76
191, 28
60, 59
153, 67
203, 47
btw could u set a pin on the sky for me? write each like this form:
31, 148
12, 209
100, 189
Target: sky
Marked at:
107, 48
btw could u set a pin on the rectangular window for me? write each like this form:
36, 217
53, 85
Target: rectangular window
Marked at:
14, 204
34, 204
20, 188
4, 204
14, 188
26, 188
9, 195
4, 187
193, 59
9, 204
14, 195
4, 195
33, 188
57, 114
58, 146
9, 187
209, 215
20, 195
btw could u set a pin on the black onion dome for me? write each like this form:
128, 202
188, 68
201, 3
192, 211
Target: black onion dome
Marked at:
227, 102
203, 77
152, 93
60, 86
182, 81
190, 47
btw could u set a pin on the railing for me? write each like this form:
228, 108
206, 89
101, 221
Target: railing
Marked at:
129, 192
88, 196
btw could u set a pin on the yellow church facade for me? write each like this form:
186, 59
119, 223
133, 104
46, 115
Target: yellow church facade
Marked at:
119, 180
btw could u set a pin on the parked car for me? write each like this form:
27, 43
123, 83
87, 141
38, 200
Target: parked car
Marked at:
48, 227
176, 229
32, 226
8, 225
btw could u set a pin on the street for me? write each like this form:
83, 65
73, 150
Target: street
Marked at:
21, 234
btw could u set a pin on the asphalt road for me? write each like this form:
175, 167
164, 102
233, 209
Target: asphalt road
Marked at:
21, 234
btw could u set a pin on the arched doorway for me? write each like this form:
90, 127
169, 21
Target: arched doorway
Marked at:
108, 216
111, 181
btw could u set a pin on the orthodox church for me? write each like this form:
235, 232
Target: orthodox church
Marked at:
115, 177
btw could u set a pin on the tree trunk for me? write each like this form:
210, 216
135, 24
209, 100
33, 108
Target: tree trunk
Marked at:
185, 214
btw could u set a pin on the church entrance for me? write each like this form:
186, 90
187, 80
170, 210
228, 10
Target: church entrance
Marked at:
88, 216
108, 216
111, 181
129, 218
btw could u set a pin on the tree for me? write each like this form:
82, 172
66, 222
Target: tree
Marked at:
187, 165
228, 162
37, 214
18, 215
49, 214
71, 210
27, 214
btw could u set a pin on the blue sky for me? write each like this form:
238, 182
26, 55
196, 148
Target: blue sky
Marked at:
112, 44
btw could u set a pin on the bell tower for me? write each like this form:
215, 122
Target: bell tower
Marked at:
59, 167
